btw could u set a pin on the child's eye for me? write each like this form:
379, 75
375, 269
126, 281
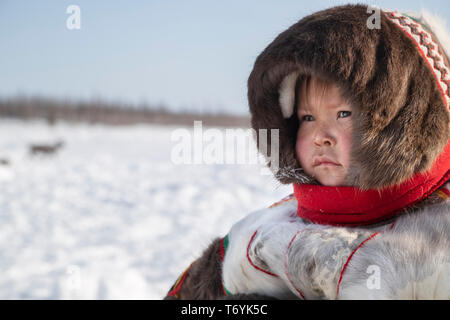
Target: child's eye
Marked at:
344, 114
307, 118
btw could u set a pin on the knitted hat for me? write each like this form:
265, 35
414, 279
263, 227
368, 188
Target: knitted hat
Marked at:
397, 77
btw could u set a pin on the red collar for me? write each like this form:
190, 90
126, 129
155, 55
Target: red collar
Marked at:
350, 206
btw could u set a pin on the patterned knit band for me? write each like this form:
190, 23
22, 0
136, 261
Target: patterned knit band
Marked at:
428, 49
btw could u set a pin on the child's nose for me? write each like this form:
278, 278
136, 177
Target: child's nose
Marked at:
323, 137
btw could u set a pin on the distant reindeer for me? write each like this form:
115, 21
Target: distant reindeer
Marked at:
4, 162
46, 149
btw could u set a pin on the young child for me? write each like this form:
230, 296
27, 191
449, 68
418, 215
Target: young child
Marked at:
324, 136
363, 119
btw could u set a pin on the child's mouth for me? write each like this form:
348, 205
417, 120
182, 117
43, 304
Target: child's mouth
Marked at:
324, 161
328, 164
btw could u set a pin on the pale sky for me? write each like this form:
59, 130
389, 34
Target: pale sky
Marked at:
186, 54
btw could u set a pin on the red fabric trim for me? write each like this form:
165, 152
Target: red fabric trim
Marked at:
285, 199
349, 258
350, 206
222, 250
392, 225
223, 288
222, 257
177, 287
179, 282
286, 268
251, 262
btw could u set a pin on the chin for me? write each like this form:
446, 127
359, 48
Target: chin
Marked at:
331, 182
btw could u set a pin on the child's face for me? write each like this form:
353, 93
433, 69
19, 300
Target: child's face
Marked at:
324, 133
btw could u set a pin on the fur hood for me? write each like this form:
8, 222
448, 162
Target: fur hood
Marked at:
402, 99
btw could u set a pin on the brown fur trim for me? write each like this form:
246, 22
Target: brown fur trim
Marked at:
204, 280
401, 123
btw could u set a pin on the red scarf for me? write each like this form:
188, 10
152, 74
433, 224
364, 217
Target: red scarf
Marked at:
350, 206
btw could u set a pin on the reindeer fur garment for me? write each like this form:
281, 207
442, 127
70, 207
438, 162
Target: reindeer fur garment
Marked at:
408, 258
400, 91
400, 124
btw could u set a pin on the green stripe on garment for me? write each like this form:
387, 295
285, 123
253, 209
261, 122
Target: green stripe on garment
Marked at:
225, 246
225, 243
227, 293
422, 23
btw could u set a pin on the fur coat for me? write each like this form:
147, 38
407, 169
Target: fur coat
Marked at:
397, 74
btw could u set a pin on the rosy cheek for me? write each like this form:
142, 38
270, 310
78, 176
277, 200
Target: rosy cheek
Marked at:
301, 149
297, 150
346, 148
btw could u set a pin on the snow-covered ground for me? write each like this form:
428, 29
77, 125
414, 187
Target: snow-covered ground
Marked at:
111, 216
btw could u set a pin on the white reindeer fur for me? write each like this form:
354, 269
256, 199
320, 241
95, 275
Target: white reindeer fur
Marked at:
413, 257
287, 94
239, 275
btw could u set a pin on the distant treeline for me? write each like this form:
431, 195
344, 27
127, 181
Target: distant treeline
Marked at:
52, 110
